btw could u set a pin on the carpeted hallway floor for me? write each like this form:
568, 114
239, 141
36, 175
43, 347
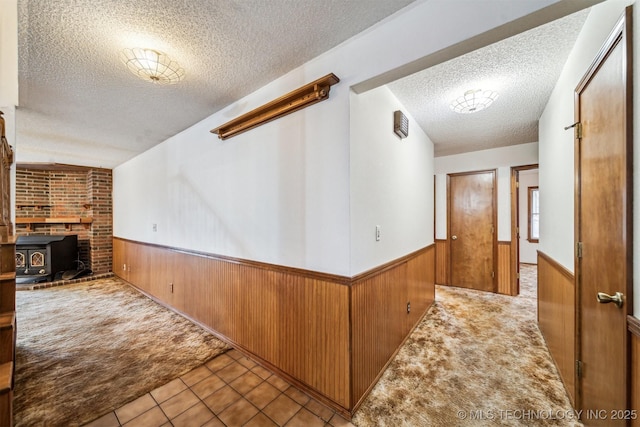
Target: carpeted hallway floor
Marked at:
476, 359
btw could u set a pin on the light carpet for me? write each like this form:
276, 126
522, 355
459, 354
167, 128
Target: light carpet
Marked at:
84, 350
476, 359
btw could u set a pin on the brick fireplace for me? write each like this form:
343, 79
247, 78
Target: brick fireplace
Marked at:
65, 200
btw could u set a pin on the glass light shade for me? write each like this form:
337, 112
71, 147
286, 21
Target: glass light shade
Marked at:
473, 101
152, 65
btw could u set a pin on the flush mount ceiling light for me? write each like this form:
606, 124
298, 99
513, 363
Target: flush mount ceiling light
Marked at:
473, 101
152, 66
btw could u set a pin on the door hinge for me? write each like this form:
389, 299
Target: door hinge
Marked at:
579, 368
493, 274
577, 130
579, 250
492, 229
517, 275
517, 184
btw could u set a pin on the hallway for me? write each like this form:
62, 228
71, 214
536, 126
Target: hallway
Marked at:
475, 359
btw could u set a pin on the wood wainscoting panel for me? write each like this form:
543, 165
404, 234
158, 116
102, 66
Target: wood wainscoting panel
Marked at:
296, 324
442, 262
330, 335
379, 308
556, 317
380, 320
633, 324
119, 257
421, 287
504, 269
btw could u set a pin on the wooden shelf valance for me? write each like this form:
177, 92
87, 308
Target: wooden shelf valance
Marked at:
302, 97
67, 221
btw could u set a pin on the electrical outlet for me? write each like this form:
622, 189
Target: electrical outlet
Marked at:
377, 233
124, 267
409, 307
155, 227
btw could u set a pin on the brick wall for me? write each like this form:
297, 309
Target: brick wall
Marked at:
73, 193
99, 187
32, 193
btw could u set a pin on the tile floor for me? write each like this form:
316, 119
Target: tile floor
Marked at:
230, 390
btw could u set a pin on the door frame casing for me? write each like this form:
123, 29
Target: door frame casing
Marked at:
494, 205
515, 219
620, 34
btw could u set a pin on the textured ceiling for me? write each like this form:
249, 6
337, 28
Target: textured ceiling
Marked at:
522, 69
79, 104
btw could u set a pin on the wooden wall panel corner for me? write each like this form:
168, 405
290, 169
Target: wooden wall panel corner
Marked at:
332, 336
380, 322
556, 317
294, 323
378, 312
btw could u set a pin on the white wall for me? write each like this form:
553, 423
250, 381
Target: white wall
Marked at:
528, 250
501, 159
9, 76
556, 145
281, 193
391, 182
257, 196
9, 52
10, 133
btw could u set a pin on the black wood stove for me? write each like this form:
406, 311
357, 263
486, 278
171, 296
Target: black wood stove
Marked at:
40, 258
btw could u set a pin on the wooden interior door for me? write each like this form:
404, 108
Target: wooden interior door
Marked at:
603, 231
472, 217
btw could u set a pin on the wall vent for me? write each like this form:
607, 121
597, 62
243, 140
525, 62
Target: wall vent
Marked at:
400, 124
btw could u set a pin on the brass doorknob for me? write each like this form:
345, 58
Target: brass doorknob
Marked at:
454, 237
617, 299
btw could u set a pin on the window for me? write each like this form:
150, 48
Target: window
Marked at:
534, 215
